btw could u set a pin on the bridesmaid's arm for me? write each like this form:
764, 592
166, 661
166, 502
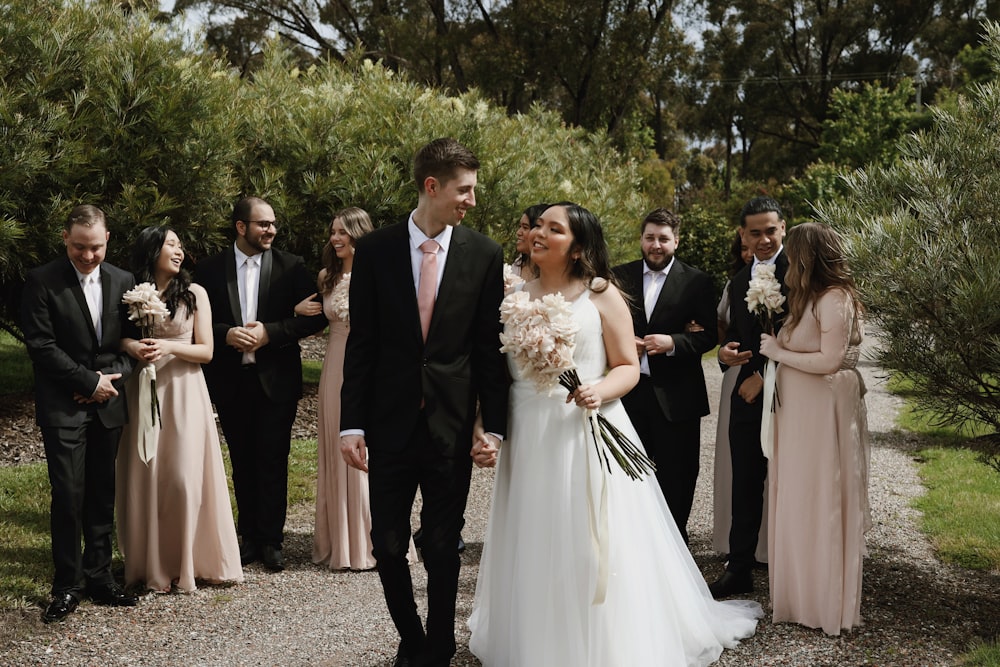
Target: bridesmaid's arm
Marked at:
835, 314
619, 347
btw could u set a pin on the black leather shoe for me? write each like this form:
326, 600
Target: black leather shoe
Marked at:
112, 595
418, 540
61, 606
271, 556
402, 659
249, 553
731, 583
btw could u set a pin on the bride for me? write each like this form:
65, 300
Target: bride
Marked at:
581, 564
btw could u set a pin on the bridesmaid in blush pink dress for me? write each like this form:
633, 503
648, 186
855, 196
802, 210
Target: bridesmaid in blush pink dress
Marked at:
818, 505
175, 519
342, 537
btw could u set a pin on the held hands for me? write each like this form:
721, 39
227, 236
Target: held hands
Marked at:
586, 397
105, 390
751, 387
352, 448
307, 307
151, 350
250, 338
730, 354
485, 447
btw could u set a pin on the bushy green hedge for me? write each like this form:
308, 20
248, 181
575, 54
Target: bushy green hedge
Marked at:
923, 235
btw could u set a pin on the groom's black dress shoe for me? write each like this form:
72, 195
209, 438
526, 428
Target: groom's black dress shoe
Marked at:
402, 659
418, 540
62, 605
112, 595
731, 583
272, 558
249, 553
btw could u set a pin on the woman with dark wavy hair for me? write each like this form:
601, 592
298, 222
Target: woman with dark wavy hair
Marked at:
582, 565
529, 220
818, 493
175, 520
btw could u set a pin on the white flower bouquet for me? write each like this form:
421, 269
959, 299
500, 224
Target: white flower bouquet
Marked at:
146, 309
340, 300
510, 279
540, 335
764, 297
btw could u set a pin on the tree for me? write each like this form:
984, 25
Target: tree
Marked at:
923, 244
771, 69
594, 62
107, 107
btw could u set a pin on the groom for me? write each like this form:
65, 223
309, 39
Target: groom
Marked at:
762, 227
423, 350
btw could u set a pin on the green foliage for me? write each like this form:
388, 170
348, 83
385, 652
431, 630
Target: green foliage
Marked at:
863, 127
923, 244
15, 367
960, 508
108, 107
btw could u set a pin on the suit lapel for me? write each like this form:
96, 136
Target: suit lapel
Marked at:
454, 269
399, 266
672, 283
81, 300
263, 291
232, 285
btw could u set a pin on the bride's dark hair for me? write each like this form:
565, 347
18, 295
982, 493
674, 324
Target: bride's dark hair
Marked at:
146, 253
588, 237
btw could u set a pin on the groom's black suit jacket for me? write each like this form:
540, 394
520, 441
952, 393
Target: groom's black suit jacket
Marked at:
389, 370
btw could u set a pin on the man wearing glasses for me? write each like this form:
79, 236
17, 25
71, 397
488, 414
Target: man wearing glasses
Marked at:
255, 376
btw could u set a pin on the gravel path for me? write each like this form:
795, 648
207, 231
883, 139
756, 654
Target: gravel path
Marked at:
918, 612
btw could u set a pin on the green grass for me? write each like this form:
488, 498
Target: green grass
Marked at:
25, 556
15, 366
311, 369
982, 654
25, 546
961, 507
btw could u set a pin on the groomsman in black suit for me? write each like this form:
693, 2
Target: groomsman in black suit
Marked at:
673, 315
762, 227
71, 318
422, 353
255, 376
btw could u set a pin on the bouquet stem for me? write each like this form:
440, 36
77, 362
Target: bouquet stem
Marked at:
629, 457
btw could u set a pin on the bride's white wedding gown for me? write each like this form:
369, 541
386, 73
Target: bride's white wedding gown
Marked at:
539, 569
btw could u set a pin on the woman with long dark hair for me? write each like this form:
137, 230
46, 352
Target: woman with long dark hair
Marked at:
175, 520
583, 565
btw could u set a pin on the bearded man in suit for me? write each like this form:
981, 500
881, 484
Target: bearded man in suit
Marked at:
423, 352
255, 376
71, 315
674, 319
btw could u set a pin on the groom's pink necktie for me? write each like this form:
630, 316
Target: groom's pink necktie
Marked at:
427, 289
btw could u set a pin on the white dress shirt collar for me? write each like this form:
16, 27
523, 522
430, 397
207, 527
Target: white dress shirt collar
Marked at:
417, 236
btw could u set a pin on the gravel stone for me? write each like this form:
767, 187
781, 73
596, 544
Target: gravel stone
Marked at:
917, 610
